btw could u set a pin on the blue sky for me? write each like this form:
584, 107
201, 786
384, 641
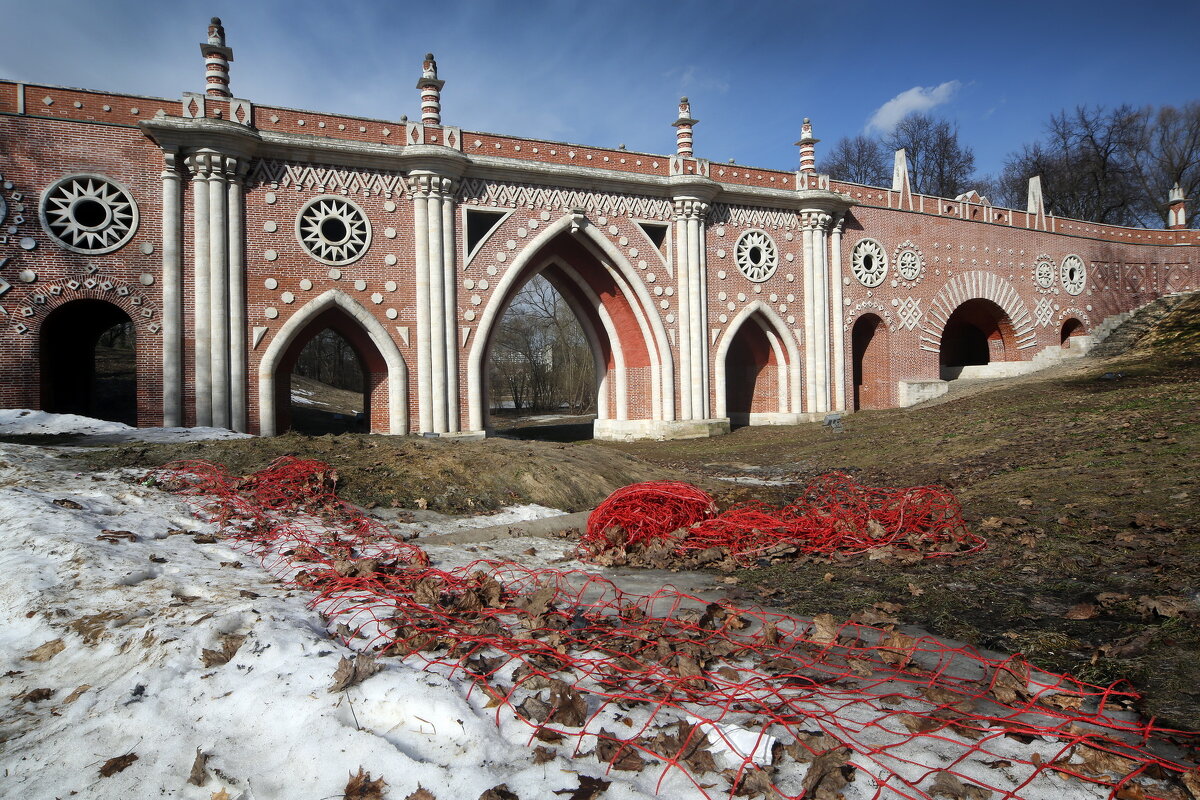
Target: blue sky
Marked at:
607, 73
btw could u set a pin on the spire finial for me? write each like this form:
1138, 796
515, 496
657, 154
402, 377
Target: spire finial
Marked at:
216, 60
1176, 209
808, 147
431, 92
683, 126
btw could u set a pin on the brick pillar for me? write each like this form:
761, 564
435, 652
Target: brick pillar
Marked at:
431, 92
683, 129
216, 61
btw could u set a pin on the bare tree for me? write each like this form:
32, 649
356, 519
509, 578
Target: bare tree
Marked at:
330, 359
1085, 165
540, 356
939, 164
1166, 153
858, 159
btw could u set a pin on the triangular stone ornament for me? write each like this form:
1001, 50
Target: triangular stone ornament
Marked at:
466, 334
4, 285
901, 182
671, 336
799, 335
716, 334
403, 331
259, 333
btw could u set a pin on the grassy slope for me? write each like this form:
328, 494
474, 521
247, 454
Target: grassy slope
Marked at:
1082, 486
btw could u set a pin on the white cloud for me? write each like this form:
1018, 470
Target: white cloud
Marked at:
918, 98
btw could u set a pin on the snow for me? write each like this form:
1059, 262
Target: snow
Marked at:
25, 422
133, 616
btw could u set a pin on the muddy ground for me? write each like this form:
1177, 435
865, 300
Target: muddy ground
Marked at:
1083, 478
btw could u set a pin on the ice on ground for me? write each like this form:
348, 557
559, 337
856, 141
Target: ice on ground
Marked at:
27, 422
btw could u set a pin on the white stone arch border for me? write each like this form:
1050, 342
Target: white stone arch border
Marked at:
283, 338
593, 337
783, 343
627, 279
976, 285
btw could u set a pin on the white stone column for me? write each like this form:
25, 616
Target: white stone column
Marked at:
420, 184
683, 292
237, 295
821, 306
198, 164
810, 320
218, 264
450, 298
437, 306
172, 294
837, 322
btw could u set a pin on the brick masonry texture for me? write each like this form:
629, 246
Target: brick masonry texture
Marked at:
580, 215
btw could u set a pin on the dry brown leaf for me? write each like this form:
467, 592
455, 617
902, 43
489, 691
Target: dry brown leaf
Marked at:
46, 651
948, 785
897, 649
500, 792
1066, 702
621, 754
36, 695
542, 754
1110, 599
1166, 606
919, 724
199, 774
353, 671
1080, 611
421, 794
588, 788
1191, 782
914, 590
859, 667
1008, 686
117, 764
824, 630
567, 706
873, 616
361, 787
1102, 762
229, 648
1131, 791
827, 774
221, 795
75, 695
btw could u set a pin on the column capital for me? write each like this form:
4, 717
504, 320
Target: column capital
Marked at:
423, 183
816, 220
690, 208
203, 164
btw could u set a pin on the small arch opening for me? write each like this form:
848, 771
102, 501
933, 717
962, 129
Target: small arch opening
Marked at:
752, 382
870, 365
327, 387
89, 213
334, 230
88, 361
1071, 327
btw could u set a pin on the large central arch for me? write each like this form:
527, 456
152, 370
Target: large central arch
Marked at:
606, 294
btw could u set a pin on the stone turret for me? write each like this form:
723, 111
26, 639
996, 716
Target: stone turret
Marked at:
216, 61
808, 148
1176, 210
683, 126
431, 92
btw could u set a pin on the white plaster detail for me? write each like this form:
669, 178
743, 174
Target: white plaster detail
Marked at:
868, 262
271, 284
488, 192
288, 298
269, 198
270, 226
909, 313
270, 312
1043, 311
360, 285
270, 255
88, 214
146, 279
335, 274
259, 332
389, 206
1073, 273
355, 181
389, 233
757, 255
390, 259
333, 230
306, 285
391, 313
466, 334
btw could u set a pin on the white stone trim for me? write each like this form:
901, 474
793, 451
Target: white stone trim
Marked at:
283, 338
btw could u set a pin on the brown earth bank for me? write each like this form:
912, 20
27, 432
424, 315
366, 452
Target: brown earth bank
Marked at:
1083, 479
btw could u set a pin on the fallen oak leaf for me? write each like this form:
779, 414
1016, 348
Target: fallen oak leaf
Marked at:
117, 764
229, 648
500, 792
588, 788
47, 651
421, 794
948, 785
221, 795
199, 774
361, 787
1080, 611
825, 629
353, 671
75, 695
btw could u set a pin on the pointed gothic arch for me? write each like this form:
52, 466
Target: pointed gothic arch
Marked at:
377, 351
619, 313
784, 358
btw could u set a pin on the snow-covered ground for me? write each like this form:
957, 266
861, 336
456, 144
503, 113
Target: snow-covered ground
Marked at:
24, 422
116, 609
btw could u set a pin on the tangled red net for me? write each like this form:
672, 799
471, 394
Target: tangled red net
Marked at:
835, 515
708, 698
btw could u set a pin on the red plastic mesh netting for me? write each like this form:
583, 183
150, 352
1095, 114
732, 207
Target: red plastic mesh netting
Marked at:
702, 697
834, 515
